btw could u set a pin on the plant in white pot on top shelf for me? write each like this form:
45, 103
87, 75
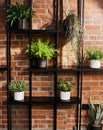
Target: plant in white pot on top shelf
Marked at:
41, 50
65, 89
17, 88
95, 56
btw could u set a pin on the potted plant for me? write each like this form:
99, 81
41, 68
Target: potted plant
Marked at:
42, 50
74, 33
65, 88
19, 12
94, 55
95, 114
18, 88
72, 27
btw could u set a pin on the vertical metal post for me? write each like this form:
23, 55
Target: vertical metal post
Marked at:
8, 57
81, 17
56, 8
30, 71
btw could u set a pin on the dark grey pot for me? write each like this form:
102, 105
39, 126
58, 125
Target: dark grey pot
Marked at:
38, 63
42, 63
94, 127
23, 24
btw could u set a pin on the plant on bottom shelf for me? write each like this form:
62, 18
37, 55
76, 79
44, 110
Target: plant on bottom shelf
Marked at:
95, 114
65, 88
18, 88
42, 50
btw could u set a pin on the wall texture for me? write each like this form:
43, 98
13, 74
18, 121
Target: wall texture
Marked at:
42, 117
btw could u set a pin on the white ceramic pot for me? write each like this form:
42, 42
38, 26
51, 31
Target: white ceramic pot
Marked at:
95, 64
18, 96
64, 95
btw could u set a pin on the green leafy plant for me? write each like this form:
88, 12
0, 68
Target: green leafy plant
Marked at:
95, 113
94, 53
17, 86
74, 34
41, 49
65, 85
18, 11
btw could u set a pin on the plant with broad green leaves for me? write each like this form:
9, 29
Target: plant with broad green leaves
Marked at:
18, 11
65, 85
17, 86
41, 49
95, 113
94, 53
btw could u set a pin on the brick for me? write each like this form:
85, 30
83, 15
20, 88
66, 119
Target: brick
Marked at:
43, 85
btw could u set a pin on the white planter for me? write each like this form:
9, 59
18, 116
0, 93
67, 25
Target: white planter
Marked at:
95, 64
18, 96
64, 95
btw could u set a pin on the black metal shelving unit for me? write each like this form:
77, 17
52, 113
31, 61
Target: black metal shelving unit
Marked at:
54, 101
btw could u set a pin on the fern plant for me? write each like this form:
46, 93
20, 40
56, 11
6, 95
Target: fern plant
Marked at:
95, 113
41, 49
18, 11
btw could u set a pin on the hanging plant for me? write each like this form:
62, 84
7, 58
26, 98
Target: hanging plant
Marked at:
73, 28
74, 33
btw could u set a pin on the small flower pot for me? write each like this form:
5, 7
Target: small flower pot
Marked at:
18, 96
42, 63
64, 95
94, 127
95, 64
23, 24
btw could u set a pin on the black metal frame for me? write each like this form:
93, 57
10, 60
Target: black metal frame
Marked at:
54, 101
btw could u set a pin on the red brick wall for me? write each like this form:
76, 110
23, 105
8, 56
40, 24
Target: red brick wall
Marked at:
42, 117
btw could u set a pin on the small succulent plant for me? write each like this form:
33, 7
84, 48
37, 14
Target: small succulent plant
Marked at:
94, 53
17, 86
65, 86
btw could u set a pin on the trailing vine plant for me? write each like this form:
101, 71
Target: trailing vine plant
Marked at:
74, 34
